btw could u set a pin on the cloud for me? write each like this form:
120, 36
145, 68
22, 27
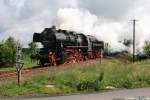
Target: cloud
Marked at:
21, 18
103, 18
109, 9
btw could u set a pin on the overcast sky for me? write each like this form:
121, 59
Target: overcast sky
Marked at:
21, 18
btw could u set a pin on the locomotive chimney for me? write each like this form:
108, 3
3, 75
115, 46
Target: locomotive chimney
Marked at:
54, 27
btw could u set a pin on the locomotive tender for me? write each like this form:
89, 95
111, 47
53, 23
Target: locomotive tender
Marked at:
62, 46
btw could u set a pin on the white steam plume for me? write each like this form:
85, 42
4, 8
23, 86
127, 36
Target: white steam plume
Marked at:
81, 20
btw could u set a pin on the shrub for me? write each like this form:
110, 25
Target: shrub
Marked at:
8, 52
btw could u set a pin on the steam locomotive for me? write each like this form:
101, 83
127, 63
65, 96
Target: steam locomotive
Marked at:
63, 46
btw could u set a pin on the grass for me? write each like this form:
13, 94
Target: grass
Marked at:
28, 63
86, 77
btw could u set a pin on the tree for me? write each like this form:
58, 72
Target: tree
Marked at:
146, 48
32, 48
8, 51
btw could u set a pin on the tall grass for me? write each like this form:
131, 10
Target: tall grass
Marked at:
28, 63
84, 78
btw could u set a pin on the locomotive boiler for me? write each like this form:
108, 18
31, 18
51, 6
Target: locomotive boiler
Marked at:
63, 46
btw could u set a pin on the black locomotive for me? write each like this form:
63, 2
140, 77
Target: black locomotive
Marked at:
62, 46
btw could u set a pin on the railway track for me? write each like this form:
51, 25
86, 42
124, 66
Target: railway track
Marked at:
24, 72
31, 71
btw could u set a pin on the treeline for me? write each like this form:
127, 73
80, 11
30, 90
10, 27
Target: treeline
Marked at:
8, 51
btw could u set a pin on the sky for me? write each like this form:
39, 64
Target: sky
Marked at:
108, 20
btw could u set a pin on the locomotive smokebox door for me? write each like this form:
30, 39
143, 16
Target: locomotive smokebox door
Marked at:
36, 37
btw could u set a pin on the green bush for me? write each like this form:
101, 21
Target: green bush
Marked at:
86, 85
8, 52
81, 79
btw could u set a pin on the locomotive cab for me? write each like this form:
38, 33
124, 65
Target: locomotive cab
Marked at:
81, 40
95, 47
